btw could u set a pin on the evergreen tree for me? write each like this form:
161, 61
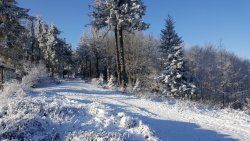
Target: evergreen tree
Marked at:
13, 33
52, 50
175, 78
91, 49
11, 29
62, 59
84, 55
42, 37
97, 45
67, 54
169, 37
33, 46
101, 18
120, 15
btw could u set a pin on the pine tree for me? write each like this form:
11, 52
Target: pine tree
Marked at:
84, 54
175, 78
129, 19
97, 47
42, 37
120, 15
33, 45
52, 50
101, 18
13, 33
11, 29
68, 57
169, 37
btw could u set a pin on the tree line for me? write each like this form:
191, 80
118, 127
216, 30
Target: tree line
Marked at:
117, 50
221, 76
163, 66
24, 38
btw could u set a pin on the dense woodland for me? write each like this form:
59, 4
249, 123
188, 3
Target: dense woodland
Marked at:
117, 50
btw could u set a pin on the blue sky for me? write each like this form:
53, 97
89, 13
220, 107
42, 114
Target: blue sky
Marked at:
199, 22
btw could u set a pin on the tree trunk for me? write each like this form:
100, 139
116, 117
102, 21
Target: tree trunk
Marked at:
32, 51
129, 63
85, 68
223, 100
33, 41
118, 67
97, 65
105, 73
68, 71
108, 67
62, 74
82, 71
53, 72
90, 71
1, 75
123, 65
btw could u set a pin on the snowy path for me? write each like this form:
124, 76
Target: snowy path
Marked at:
170, 121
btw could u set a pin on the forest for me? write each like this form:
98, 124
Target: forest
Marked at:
116, 51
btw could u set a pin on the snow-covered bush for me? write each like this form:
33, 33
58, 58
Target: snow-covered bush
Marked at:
137, 85
136, 126
128, 122
35, 73
100, 80
23, 119
95, 136
134, 89
128, 89
111, 82
59, 118
242, 104
247, 107
14, 88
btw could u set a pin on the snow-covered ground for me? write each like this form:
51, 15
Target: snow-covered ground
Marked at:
75, 110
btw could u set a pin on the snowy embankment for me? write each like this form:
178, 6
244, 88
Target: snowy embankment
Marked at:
45, 114
75, 110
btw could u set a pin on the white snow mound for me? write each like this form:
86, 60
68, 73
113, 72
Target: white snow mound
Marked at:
53, 117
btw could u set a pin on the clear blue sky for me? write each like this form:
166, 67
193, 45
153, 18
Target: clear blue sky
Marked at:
197, 21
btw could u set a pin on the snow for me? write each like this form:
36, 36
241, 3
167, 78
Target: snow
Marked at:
46, 114
111, 82
75, 110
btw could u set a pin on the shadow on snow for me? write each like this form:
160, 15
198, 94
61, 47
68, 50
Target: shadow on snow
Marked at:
164, 129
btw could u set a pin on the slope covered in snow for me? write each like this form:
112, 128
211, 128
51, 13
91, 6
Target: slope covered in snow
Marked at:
75, 110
